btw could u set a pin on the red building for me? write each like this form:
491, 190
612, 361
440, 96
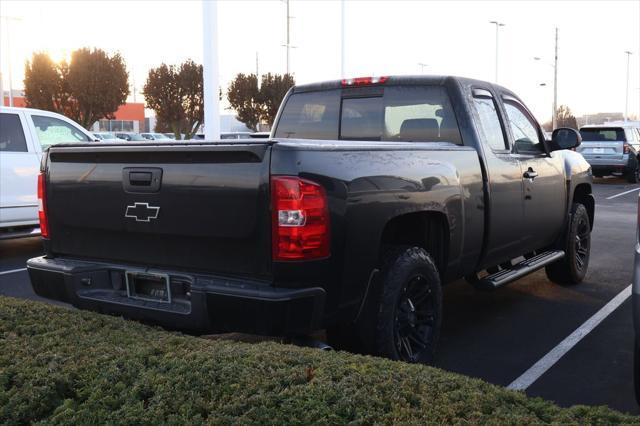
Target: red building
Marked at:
128, 117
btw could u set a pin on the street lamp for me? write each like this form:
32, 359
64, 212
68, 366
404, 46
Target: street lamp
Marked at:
626, 92
422, 67
498, 25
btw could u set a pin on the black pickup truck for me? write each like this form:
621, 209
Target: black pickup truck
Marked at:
369, 195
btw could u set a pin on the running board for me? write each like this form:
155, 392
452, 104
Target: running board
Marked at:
519, 270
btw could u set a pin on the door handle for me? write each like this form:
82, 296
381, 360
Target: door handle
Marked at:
530, 174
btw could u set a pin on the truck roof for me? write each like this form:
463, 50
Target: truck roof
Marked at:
437, 80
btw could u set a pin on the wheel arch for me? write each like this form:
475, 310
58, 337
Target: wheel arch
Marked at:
426, 229
583, 194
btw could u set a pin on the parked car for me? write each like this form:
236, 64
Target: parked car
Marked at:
370, 195
24, 134
156, 136
612, 149
106, 137
131, 137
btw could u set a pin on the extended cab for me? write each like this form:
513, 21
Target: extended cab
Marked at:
370, 194
24, 134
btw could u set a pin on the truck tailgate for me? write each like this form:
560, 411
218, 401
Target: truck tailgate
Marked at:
198, 207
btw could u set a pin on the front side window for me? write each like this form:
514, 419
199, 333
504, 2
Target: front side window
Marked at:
525, 132
52, 131
11, 134
490, 122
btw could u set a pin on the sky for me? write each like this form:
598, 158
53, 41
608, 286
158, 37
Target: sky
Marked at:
381, 38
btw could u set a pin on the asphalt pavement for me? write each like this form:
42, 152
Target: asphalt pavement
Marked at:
499, 335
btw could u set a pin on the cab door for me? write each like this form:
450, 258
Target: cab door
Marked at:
19, 167
542, 176
505, 210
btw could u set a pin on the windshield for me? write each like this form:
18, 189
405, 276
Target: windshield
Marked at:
136, 137
394, 113
159, 136
602, 134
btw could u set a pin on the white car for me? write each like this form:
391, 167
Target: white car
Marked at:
24, 134
156, 136
107, 137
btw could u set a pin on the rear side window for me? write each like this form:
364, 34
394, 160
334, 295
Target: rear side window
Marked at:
490, 122
11, 134
53, 131
399, 113
311, 115
602, 134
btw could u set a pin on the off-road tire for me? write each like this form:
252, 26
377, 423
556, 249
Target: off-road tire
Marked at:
572, 268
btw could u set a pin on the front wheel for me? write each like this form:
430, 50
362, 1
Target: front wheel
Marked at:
410, 308
577, 246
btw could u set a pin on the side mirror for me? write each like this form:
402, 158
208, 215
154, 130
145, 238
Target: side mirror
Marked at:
564, 138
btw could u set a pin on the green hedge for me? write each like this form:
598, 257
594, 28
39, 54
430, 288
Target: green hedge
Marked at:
65, 366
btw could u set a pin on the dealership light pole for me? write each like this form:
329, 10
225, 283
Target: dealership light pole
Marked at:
342, 41
555, 82
8, 19
626, 92
210, 70
498, 25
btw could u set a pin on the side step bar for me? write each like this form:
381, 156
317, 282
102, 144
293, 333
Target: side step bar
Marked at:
519, 270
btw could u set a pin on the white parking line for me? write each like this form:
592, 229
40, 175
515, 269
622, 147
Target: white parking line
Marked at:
622, 193
546, 362
12, 271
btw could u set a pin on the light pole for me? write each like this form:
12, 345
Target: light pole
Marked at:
210, 70
9, 19
342, 41
288, 44
422, 67
498, 25
626, 92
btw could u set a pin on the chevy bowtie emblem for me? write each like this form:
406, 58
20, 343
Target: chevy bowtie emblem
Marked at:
142, 212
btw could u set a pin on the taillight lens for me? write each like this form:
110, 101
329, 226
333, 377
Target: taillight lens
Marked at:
625, 148
300, 219
42, 206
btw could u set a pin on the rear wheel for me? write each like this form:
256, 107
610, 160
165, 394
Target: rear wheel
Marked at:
633, 176
410, 308
636, 370
577, 246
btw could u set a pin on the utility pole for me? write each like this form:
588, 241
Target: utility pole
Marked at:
210, 70
626, 92
257, 67
422, 67
342, 41
555, 84
498, 25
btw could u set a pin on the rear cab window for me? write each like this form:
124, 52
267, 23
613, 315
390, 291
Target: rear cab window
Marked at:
602, 134
390, 113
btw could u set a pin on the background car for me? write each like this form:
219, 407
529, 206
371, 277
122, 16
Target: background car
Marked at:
24, 134
131, 136
156, 136
107, 137
612, 149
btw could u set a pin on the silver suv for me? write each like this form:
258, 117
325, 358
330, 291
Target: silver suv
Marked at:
612, 149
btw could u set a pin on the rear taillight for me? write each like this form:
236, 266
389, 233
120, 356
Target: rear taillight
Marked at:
300, 219
364, 81
42, 206
625, 148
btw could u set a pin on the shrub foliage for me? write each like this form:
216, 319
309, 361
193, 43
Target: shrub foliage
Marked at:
65, 366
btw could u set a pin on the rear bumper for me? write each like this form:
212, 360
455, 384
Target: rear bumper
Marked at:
209, 304
623, 164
